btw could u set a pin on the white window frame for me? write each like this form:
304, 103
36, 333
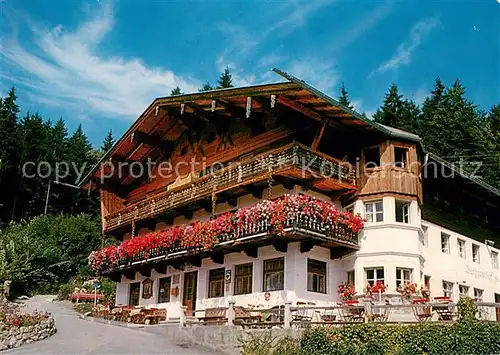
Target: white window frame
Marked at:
405, 213
494, 260
273, 275
463, 290
448, 289
478, 293
462, 250
445, 243
376, 275
405, 275
217, 283
373, 215
476, 253
320, 277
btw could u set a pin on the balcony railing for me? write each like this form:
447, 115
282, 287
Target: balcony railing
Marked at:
337, 233
291, 156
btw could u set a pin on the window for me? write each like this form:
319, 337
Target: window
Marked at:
274, 274
463, 290
478, 293
461, 248
374, 211
351, 279
402, 211
494, 259
427, 281
372, 157
447, 289
402, 276
445, 243
401, 157
425, 236
164, 290
475, 253
316, 276
133, 297
243, 279
216, 283
374, 275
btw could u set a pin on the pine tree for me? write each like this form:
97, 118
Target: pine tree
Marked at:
344, 98
9, 158
398, 112
225, 79
108, 142
492, 158
206, 87
176, 91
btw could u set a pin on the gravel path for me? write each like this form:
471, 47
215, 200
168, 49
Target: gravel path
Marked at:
78, 336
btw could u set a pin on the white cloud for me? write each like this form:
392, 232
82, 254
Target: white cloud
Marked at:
64, 68
405, 50
320, 74
361, 26
271, 59
296, 17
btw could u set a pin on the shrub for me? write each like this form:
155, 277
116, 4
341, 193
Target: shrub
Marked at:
472, 337
266, 343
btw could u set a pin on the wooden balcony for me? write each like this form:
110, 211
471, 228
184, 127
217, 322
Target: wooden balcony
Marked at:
294, 162
339, 238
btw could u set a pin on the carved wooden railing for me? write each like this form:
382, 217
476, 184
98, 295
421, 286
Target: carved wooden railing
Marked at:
294, 155
338, 233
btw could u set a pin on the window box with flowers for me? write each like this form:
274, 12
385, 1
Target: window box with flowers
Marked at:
408, 290
295, 212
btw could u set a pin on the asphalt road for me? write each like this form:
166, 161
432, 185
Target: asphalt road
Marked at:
78, 336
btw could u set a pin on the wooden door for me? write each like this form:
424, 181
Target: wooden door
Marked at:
133, 297
189, 292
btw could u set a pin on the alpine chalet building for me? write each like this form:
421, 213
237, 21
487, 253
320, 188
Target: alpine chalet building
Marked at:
277, 193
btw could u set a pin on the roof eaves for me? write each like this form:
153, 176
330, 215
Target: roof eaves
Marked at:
320, 94
465, 174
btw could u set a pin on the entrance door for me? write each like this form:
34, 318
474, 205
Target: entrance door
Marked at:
189, 292
133, 297
497, 300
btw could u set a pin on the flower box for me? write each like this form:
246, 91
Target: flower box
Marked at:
274, 216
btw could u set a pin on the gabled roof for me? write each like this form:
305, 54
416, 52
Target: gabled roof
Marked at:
318, 103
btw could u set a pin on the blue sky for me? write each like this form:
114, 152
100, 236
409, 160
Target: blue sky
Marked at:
101, 63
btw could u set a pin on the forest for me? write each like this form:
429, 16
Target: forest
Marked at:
47, 230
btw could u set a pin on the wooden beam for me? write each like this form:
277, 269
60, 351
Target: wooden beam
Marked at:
145, 271
280, 245
338, 253
201, 113
256, 192
195, 261
287, 183
154, 141
167, 219
178, 265
129, 274
300, 108
306, 246
115, 277
319, 135
251, 251
112, 186
161, 268
217, 258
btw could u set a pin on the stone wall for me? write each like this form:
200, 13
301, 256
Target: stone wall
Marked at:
220, 339
14, 337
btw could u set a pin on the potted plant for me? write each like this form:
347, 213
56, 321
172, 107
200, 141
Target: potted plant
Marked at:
378, 288
346, 292
408, 290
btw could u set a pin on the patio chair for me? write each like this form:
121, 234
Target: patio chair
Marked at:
303, 315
